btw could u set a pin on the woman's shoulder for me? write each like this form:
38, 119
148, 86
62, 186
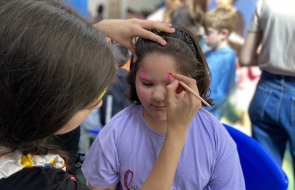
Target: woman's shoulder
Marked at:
41, 178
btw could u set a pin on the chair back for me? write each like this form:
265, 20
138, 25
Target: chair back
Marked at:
260, 170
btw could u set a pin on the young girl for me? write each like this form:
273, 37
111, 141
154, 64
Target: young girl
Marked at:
54, 69
126, 148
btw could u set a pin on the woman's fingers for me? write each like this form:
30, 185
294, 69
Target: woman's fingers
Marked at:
147, 24
171, 92
180, 112
189, 82
189, 98
123, 31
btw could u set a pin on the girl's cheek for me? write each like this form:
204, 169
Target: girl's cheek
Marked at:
144, 94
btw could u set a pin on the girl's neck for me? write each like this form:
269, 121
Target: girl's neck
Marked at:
160, 126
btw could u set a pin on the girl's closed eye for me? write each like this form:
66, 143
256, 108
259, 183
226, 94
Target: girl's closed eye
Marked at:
146, 84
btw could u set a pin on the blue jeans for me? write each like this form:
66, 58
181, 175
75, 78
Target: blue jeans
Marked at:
272, 113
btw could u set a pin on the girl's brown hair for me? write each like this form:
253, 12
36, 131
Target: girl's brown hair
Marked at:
184, 48
53, 63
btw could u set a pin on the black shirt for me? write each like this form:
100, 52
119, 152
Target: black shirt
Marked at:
39, 178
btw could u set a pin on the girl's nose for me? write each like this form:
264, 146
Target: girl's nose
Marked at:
159, 94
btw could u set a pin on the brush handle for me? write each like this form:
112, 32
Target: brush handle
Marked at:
194, 93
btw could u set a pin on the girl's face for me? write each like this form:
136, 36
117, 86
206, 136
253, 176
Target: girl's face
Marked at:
152, 77
77, 119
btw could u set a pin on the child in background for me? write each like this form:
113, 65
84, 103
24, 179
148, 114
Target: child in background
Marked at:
240, 21
236, 39
218, 24
115, 98
126, 148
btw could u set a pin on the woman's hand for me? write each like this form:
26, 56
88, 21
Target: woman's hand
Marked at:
181, 112
124, 31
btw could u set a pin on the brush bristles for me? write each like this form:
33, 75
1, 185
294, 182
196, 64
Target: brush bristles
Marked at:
173, 75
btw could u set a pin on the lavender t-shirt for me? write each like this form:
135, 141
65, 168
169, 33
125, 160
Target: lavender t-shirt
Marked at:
126, 148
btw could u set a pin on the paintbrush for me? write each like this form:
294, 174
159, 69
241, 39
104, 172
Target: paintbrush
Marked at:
191, 91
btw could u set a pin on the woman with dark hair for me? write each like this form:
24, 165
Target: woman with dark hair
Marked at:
190, 17
126, 149
54, 69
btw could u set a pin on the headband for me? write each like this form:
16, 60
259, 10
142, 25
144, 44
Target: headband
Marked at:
180, 35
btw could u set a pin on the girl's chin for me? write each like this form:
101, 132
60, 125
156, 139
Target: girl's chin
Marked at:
159, 118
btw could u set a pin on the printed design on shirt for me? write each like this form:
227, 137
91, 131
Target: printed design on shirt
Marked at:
13, 162
128, 178
73, 178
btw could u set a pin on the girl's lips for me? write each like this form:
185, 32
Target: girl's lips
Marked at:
158, 107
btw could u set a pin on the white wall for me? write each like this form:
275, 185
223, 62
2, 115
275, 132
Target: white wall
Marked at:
93, 4
136, 5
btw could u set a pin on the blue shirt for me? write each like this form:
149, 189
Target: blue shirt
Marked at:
222, 63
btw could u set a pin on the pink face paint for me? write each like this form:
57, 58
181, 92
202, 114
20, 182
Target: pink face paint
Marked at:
169, 77
143, 75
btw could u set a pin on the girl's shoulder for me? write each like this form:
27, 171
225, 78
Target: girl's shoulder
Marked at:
124, 119
128, 113
206, 117
206, 124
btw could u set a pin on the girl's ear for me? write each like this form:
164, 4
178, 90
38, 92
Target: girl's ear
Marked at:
224, 32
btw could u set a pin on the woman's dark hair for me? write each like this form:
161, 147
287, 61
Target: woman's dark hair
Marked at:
184, 48
197, 10
53, 63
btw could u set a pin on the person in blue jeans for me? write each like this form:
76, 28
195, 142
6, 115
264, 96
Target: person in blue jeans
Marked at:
272, 109
218, 24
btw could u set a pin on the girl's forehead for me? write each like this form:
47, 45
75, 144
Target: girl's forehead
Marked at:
157, 61
156, 67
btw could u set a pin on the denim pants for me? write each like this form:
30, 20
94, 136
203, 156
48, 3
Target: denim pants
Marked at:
272, 113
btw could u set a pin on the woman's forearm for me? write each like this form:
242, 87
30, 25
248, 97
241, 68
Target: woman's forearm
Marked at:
162, 175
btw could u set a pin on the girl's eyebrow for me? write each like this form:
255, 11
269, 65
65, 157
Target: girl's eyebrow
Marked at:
142, 78
168, 79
